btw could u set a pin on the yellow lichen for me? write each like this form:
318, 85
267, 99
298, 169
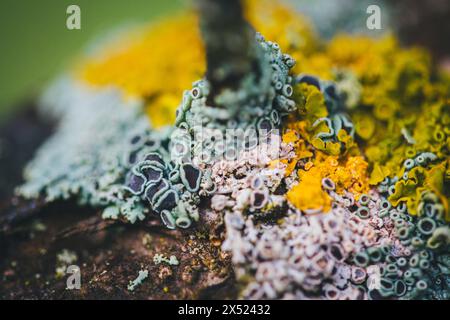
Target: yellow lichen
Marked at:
163, 59
300, 149
348, 174
156, 66
308, 193
419, 181
401, 105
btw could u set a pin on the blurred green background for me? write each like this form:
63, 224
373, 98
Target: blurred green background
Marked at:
36, 45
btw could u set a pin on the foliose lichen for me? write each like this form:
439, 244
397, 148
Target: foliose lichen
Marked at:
329, 166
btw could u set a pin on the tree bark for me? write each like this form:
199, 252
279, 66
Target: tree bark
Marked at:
228, 39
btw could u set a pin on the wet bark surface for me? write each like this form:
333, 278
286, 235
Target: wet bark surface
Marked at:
109, 253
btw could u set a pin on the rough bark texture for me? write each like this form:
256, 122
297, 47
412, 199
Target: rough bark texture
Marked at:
228, 40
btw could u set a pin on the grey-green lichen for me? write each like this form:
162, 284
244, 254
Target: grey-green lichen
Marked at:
160, 258
88, 156
64, 259
143, 274
111, 158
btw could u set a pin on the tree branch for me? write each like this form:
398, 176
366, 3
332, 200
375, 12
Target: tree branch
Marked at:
228, 40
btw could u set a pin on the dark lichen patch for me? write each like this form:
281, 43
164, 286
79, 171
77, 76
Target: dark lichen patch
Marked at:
136, 183
190, 176
167, 201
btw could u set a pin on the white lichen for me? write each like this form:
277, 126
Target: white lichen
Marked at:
143, 274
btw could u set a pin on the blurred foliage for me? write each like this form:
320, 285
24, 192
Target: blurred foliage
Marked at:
36, 43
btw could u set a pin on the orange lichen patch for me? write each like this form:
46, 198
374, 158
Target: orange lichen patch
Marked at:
165, 58
300, 148
349, 174
308, 193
